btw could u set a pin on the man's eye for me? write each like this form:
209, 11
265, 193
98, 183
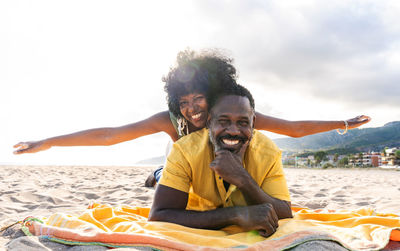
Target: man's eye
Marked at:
183, 103
223, 121
243, 123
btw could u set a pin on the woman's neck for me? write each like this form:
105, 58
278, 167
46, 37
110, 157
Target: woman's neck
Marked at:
192, 128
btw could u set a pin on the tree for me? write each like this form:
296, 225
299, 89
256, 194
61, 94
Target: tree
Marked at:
397, 154
327, 165
320, 156
335, 157
343, 162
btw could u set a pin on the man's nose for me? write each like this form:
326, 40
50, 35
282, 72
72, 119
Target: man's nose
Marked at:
233, 129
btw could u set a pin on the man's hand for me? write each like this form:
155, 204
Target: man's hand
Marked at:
30, 147
229, 165
259, 217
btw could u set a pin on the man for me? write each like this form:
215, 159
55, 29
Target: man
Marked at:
229, 174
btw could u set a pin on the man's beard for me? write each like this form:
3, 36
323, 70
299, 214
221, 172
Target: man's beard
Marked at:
213, 141
216, 141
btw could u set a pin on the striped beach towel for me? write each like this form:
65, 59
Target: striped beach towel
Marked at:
127, 226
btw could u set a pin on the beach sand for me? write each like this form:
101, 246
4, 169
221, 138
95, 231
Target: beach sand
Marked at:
43, 190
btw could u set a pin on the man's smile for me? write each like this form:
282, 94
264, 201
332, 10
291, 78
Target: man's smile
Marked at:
231, 143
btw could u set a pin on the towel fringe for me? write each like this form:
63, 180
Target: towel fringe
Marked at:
10, 225
27, 222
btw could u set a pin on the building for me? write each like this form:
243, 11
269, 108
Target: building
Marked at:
389, 157
373, 159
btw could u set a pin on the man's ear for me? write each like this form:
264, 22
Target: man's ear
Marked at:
254, 120
208, 120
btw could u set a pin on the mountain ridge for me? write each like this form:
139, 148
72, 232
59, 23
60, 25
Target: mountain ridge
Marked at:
355, 140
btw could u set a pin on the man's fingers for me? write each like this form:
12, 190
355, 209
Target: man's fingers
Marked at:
265, 234
267, 231
274, 221
243, 149
214, 165
274, 216
221, 153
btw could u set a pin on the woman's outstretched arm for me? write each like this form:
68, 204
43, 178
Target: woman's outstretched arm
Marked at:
303, 128
106, 136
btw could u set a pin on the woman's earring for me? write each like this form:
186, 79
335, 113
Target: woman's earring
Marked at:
182, 123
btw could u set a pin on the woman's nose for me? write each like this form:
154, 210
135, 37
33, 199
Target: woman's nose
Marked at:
192, 106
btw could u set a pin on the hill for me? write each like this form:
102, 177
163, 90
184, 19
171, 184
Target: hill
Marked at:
160, 160
356, 140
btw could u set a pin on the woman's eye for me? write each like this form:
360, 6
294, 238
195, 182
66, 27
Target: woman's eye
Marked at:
183, 104
199, 98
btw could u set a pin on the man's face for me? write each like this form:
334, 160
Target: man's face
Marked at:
231, 123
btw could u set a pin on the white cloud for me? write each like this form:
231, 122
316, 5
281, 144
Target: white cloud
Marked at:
68, 66
335, 48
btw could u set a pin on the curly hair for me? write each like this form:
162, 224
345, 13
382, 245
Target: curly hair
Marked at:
207, 72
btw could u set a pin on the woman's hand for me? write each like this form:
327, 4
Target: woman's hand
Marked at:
358, 121
30, 147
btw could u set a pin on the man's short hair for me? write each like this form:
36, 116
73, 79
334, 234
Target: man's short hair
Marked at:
237, 90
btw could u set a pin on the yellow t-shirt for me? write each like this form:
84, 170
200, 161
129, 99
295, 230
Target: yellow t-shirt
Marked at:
187, 170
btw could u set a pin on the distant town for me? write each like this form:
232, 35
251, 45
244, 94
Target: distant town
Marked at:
387, 158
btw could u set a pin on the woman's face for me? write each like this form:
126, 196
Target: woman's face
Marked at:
195, 109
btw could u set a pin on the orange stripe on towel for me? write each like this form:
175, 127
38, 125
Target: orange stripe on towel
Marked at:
395, 235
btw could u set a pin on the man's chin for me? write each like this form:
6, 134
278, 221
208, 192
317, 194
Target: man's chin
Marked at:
233, 149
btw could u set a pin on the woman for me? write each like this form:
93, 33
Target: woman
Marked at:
189, 85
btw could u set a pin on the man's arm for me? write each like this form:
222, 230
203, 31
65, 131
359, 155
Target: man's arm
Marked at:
229, 166
169, 205
254, 195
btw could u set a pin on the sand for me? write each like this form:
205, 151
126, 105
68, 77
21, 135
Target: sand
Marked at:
43, 190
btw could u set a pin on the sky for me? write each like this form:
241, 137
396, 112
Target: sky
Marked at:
67, 66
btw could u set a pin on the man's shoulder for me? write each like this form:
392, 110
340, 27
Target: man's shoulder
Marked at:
261, 144
194, 141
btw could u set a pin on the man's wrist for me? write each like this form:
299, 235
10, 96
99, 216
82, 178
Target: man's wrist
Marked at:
238, 216
245, 181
